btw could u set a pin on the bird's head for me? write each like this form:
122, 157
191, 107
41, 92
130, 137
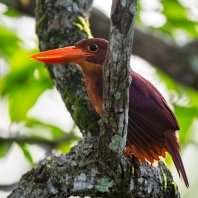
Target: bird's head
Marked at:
83, 53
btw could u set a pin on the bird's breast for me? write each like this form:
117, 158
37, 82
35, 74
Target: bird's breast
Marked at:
93, 83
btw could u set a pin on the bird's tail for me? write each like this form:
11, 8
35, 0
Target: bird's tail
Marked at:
173, 147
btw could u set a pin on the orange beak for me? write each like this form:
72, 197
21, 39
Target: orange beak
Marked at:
64, 55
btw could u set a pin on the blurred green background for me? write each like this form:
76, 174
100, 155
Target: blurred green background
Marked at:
33, 120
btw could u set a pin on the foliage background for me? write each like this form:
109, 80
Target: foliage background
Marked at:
33, 120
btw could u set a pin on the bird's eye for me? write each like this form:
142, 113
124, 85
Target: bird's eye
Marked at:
93, 48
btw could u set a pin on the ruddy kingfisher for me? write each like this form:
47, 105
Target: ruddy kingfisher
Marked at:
152, 125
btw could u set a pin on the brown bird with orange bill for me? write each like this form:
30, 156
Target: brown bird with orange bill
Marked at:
152, 125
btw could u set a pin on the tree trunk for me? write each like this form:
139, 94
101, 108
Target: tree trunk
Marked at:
82, 171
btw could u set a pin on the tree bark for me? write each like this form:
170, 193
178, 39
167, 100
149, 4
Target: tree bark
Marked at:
81, 172
77, 174
178, 62
63, 24
116, 82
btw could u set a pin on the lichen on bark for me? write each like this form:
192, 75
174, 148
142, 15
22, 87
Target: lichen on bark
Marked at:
77, 173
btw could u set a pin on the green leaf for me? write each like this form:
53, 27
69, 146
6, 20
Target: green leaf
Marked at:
65, 147
26, 153
181, 90
23, 85
186, 116
44, 131
187, 112
54, 131
9, 42
168, 159
12, 13
4, 148
177, 18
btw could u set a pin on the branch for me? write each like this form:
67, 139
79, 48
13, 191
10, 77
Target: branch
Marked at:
33, 140
8, 187
77, 173
116, 82
25, 7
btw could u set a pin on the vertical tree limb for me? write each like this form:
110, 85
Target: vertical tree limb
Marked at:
116, 81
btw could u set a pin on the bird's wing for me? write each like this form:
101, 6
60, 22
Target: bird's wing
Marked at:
148, 102
149, 117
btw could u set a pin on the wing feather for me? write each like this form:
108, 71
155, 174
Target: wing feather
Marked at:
149, 117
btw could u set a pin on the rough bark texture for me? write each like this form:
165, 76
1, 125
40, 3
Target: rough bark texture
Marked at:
77, 173
179, 62
82, 171
116, 78
63, 23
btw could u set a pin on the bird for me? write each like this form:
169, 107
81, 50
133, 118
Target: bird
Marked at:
152, 125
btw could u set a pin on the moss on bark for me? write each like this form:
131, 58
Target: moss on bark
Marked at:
71, 16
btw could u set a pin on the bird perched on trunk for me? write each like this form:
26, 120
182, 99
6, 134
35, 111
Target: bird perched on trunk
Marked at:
152, 125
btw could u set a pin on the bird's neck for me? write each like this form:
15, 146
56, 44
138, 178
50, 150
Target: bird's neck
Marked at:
92, 74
